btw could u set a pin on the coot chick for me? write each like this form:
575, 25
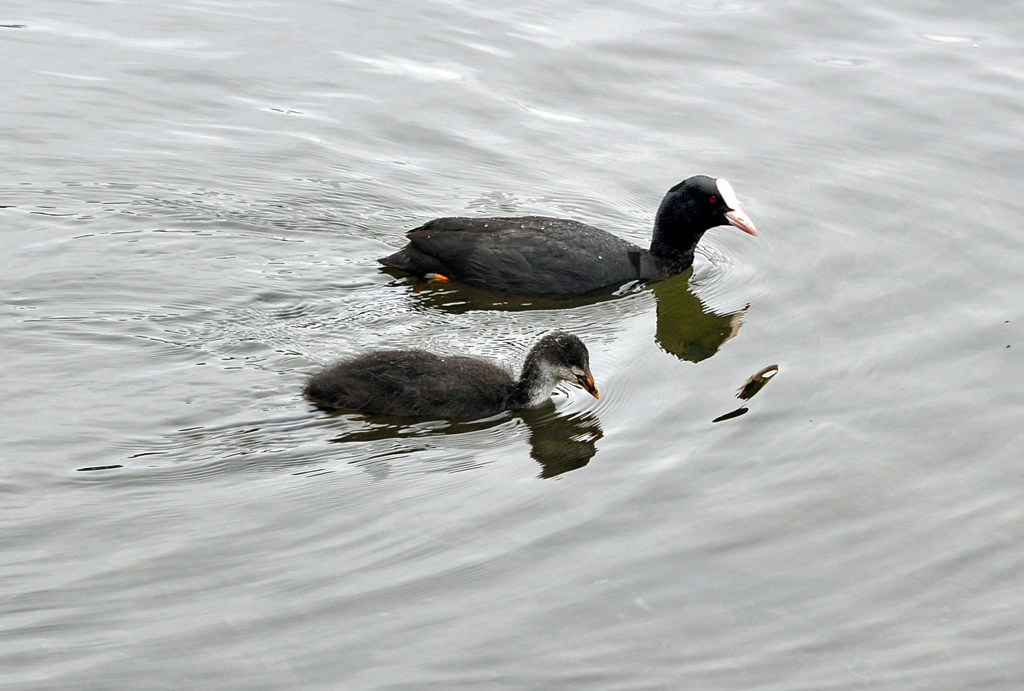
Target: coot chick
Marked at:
415, 383
536, 254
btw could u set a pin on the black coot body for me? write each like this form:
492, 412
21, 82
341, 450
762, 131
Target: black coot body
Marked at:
415, 383
538, 255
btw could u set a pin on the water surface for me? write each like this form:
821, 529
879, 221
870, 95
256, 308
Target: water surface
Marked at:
194, 196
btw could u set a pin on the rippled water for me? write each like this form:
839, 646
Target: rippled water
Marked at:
193, 199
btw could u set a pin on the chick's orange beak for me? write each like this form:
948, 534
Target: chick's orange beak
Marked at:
587, 382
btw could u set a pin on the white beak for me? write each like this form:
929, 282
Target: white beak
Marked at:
734, 215
739, 219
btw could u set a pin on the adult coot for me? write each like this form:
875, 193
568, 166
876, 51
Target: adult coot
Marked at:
415, 383
535, 254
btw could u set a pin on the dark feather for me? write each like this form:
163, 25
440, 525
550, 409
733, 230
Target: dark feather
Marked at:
416, 383
537, 254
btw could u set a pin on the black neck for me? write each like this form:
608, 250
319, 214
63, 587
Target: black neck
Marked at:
672, 260
678, 228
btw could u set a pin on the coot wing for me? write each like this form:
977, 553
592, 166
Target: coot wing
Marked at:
529, 254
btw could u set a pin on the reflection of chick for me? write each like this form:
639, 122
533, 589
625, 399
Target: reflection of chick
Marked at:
415, 383
561, 443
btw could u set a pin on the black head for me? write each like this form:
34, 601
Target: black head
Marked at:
565, 355
691, 208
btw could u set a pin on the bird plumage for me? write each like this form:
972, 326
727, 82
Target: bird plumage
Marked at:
538, 254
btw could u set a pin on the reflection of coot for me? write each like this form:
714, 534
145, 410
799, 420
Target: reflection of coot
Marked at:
684, 328
459, 298
539, 255
415, 383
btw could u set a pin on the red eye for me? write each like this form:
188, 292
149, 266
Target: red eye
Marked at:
713, 199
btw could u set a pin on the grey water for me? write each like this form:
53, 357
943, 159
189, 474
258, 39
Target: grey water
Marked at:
194, 196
